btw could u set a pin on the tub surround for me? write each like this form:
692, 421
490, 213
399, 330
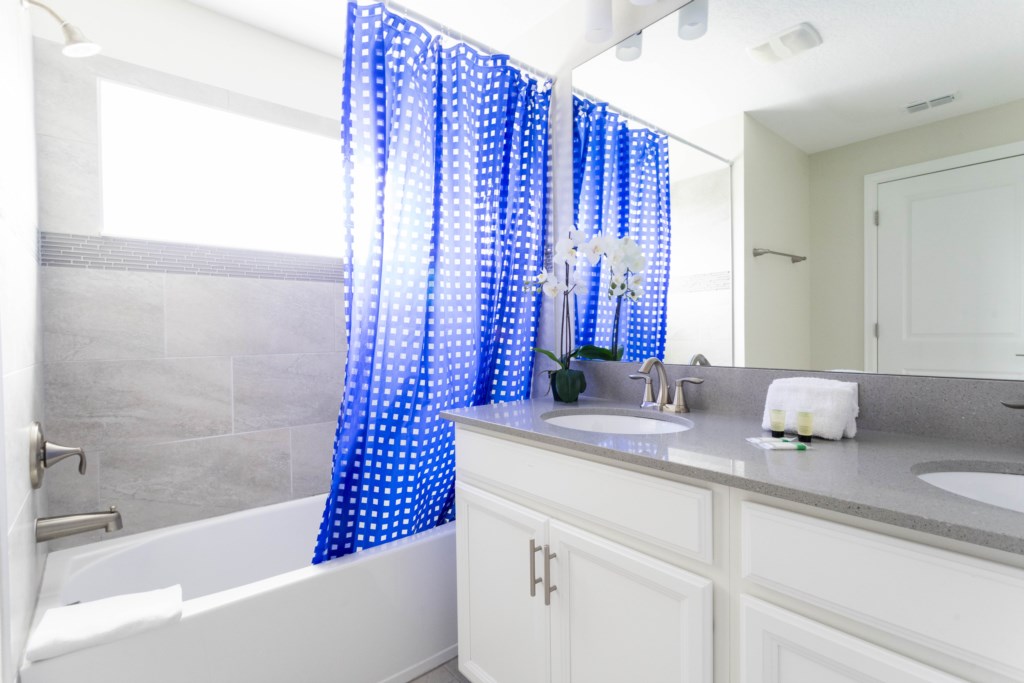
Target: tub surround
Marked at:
872, 476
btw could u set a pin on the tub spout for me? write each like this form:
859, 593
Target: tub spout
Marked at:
49, 528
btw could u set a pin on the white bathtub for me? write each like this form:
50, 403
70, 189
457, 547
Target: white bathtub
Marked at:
255, 609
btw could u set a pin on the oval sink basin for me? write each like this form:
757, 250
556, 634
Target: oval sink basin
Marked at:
995, 488
616, 422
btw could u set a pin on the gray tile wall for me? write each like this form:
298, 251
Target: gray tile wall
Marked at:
192, 395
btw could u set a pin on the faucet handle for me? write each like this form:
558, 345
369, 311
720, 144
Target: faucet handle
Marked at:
679, 400
648, 388
44, 454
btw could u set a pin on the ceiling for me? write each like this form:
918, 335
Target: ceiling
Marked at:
877, 57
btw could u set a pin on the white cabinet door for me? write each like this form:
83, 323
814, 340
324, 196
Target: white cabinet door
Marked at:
618, 615
781, 647
503, 630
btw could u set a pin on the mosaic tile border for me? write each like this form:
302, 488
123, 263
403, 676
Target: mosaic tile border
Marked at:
118, 253
703, 282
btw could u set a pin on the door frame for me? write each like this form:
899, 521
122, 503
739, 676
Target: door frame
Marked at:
871, 184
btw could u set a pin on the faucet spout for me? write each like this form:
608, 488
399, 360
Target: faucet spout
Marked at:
49, 528
655, 363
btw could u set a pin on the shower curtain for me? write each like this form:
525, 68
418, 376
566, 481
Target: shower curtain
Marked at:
445, 153
621, 187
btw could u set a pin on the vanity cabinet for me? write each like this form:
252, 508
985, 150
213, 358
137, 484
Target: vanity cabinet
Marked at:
631, 565
540, 599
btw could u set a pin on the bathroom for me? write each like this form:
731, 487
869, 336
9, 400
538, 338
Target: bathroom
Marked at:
202, 375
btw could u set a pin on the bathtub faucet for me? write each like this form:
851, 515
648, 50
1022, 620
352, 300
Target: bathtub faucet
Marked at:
49, 528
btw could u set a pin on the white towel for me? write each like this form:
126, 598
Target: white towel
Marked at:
833, 405
75, 627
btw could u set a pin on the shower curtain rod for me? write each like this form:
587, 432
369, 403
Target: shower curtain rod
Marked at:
456, 35
647, 124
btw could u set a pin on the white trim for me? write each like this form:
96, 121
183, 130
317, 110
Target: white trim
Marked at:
871, 183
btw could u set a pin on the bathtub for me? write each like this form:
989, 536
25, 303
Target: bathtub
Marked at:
255, 610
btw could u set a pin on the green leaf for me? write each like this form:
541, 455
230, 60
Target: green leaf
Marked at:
551, 356
591, 352
618, 355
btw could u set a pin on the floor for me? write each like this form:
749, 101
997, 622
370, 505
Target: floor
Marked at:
446, 673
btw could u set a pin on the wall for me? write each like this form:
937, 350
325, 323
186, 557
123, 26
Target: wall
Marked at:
776, 291
700, 284
837, 214
21, 560
199, 381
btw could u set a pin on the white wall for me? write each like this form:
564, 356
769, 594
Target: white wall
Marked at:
776, 216
837, 214
185, 40
20, 354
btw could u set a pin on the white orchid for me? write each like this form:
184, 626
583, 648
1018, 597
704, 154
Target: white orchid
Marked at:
632, 257
577, 237
565, 251
595, 249
636, 281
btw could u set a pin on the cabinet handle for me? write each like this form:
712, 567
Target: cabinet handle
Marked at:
534, 549
549, 587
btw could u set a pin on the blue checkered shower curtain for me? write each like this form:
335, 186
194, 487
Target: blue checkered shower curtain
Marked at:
445, 153
621, 187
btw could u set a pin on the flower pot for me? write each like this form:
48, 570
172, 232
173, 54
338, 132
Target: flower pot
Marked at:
567, 385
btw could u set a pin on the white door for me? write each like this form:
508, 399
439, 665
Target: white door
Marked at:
951, 272
503, 629
618, 615
778, 646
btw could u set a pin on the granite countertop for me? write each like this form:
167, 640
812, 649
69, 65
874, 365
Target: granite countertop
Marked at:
872, 476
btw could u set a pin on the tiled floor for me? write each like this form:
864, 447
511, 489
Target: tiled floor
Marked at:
446, 673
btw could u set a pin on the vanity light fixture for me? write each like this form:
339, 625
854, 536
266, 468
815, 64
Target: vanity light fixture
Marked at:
598, 21
630, 49
75, 42
786, 44
693, 19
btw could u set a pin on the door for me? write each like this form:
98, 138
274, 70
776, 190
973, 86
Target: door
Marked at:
951, 272
778, 646
619, 615
503, 629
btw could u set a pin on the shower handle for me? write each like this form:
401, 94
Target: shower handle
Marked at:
549, 587
534, 549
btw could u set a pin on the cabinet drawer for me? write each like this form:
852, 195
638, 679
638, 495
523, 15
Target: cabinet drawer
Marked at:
658, 512
781, 647
971, 608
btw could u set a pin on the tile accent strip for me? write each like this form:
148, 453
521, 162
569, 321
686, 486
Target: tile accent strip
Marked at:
118, 253
703, 282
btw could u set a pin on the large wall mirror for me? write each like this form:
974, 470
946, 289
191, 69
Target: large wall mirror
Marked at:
790, 124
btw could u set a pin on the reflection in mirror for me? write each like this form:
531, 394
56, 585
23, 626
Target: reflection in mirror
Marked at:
829, 113
635, 182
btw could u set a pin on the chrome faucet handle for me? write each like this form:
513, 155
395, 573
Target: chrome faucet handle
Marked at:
648, 399
679, 400
43, 454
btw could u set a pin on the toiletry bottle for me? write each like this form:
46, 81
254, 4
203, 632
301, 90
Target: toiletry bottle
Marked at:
804, 425
778, 422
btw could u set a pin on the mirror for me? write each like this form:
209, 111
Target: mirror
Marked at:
914, 110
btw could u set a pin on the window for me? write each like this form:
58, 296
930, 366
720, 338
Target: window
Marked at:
177, 171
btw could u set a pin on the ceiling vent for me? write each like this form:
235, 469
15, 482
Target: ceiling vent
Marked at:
930, 104
786, 44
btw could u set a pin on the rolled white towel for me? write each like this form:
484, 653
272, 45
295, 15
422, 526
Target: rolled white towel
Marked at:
833, 404
75, 627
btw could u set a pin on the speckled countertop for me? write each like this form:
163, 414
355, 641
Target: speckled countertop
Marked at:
873, 476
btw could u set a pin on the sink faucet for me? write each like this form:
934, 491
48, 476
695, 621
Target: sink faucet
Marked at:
678, 404
49, 528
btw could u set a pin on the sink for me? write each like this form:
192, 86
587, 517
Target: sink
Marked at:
616, 421
995, 488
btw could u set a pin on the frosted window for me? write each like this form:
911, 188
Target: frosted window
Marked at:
181, 172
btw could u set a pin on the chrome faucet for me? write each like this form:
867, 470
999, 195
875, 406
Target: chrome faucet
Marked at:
678, 404
700, 359
49, 528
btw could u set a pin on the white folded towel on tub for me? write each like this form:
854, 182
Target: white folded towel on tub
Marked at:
833, 404
75, 627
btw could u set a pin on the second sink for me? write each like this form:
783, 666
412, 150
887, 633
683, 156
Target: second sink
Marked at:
616, 421
1001, 489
